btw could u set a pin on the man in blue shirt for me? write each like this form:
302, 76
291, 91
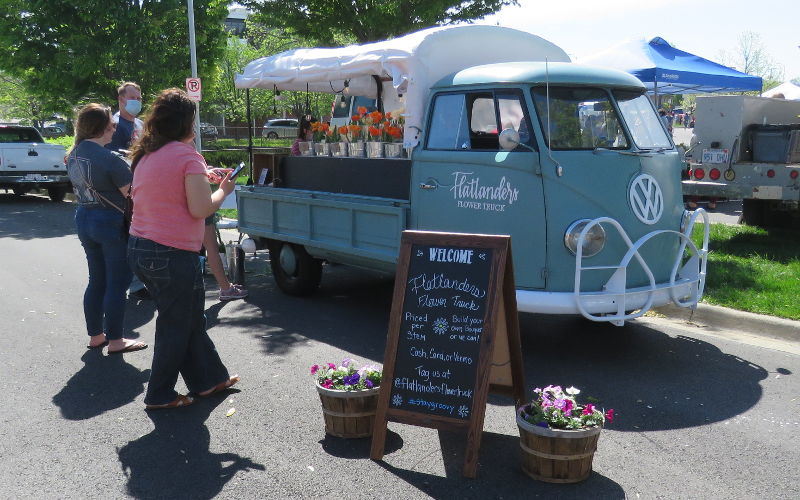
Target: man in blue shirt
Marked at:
129, 97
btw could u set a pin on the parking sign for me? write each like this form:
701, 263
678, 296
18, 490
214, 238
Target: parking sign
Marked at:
193, 89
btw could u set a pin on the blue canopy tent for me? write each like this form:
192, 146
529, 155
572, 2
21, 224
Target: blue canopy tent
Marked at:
666, 70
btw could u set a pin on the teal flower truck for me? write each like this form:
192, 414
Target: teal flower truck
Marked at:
502, 134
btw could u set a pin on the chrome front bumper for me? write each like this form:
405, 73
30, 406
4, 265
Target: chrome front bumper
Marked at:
616, 303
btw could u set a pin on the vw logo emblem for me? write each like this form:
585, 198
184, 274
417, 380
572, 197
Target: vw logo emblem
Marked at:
646, 199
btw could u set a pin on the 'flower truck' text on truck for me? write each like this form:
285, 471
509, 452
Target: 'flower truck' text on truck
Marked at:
501, 134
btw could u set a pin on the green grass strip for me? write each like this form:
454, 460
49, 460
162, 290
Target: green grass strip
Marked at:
753, 269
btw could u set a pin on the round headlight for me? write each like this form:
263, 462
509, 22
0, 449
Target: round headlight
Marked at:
593, 242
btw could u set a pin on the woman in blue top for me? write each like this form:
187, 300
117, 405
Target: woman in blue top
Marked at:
100, 180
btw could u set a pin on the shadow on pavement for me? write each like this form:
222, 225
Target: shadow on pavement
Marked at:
496, 473
652, 380
89, 394
174, 460
358, 448
35, 217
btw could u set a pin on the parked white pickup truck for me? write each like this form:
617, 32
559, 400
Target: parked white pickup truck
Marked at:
28, 163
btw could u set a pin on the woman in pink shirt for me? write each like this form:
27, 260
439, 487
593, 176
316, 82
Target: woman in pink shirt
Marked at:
172, 198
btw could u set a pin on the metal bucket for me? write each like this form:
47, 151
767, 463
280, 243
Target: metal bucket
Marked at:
374, 150
338, 149
393, 150
322, 149
306, 148
355, 149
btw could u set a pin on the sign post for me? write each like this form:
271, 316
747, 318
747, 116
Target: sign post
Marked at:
193, 61
453, 336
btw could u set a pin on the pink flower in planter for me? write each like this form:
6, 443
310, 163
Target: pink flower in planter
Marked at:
610, 415
314, 369
328, 383
588, 409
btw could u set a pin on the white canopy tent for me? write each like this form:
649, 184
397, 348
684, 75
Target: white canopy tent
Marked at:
406, 66
790, 90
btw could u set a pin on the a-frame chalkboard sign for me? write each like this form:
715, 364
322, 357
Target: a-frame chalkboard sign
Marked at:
453, 336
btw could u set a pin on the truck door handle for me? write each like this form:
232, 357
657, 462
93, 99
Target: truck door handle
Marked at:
422, 185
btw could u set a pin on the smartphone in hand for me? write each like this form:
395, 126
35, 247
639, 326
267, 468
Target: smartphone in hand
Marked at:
237, 171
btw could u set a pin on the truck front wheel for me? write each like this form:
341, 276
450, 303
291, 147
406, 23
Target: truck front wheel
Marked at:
56, 193
296, 272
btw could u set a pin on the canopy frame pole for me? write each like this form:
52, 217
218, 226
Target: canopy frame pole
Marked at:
379, 84
249, 136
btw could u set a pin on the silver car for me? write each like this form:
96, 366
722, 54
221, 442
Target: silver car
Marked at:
280, 127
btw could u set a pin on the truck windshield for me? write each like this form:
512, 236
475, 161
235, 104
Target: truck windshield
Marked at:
578, 118
643, 123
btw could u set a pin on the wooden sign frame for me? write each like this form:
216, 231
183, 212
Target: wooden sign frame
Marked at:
499, 366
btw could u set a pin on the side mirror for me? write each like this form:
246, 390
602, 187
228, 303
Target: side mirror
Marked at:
508, 139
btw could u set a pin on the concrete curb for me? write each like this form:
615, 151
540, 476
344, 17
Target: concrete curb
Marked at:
721, 319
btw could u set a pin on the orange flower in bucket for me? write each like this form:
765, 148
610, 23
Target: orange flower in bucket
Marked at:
376, 116
361, 110
375, 133
354, 131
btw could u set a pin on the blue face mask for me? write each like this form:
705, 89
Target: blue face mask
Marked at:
133, 106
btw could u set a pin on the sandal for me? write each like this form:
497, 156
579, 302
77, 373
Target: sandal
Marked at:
221, 386
176, 403
136, 346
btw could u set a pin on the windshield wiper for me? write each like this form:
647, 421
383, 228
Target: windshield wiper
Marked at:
629, 153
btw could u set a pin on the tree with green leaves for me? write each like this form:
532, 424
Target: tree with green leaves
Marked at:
368, 20
68, 52
17, 103
749, 56
221, 97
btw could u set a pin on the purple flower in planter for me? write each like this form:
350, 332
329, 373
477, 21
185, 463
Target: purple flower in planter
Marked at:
346, 362
352, 379
369, 384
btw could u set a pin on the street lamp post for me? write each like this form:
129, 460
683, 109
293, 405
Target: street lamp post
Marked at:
193, 56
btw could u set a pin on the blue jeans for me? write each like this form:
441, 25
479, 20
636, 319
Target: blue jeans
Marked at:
182, 346
100, 232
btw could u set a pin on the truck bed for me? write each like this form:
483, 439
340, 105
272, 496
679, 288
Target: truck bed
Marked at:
343, 210
383, 178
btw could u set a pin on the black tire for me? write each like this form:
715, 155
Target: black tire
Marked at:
295, 271
272, 135
18, 191
56, 194
753, 212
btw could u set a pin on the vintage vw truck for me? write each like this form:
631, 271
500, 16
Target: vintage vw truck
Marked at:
503, 136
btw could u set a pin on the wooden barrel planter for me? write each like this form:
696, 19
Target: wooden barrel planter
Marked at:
554, 455
348, 414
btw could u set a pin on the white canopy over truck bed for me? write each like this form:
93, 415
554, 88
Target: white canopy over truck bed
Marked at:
406, 65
